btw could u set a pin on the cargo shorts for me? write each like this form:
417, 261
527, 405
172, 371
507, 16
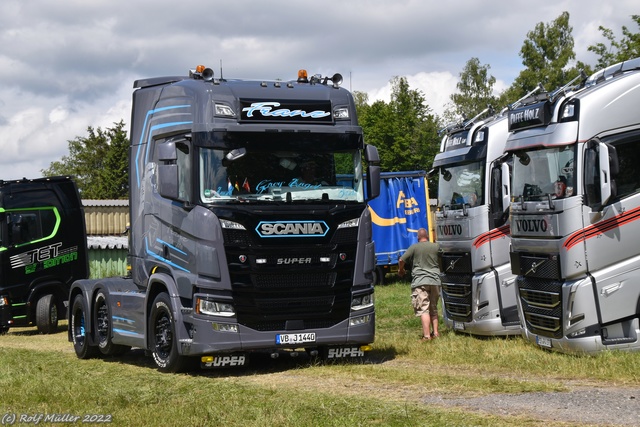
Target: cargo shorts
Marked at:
425, 300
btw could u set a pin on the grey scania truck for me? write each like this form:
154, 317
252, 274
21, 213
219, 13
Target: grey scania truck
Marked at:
241, 240
575, 212
473, 229
43, 249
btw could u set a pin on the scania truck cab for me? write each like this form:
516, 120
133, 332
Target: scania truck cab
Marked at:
242, 239
472, 228
575, 212
43, 249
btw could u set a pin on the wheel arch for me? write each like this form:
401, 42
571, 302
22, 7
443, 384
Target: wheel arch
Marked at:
160, 282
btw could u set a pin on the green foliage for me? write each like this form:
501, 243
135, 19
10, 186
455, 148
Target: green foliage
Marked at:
404, 130
475, 92
616, 51
545, 54
99, 163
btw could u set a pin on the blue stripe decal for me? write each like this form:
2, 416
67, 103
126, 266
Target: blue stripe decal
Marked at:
144, 127
171, 246
158, 257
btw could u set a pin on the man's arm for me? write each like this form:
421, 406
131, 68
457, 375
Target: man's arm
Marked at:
401, 270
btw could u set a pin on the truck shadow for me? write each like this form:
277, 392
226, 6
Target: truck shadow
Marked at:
259, 363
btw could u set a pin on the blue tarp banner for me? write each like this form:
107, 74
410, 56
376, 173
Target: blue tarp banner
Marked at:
398, 213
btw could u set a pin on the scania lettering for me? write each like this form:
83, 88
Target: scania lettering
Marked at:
473, 229
43, 249
307, 229
242, 239
575, 206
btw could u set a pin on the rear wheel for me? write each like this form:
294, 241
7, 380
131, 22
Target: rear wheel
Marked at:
79, 332
47, 314
163, 340
104, 329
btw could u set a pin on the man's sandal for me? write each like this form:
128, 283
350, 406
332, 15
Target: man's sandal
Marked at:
425, 338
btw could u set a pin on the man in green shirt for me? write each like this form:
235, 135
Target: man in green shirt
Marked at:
422, 258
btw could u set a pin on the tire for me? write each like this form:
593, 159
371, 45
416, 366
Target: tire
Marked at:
79, 333
163, 341
47, 314
103, 327
378, 276
3, 330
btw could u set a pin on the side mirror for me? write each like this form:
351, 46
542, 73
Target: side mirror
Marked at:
167, 152
168, 181
609, 166
371, 154
373, 182
506, 185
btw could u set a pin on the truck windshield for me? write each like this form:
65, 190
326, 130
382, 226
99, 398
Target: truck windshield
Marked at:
242, 175
538, 174
461, 185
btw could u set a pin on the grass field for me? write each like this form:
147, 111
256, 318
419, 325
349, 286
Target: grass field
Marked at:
41, 376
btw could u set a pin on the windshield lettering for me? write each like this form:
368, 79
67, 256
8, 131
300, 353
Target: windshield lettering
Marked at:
265, 109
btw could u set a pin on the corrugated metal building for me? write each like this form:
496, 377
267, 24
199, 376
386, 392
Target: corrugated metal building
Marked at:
107, 241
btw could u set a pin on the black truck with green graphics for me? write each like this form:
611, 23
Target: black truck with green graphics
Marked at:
43, 249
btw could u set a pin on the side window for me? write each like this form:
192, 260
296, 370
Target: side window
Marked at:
184, 172
27, 226
628, 180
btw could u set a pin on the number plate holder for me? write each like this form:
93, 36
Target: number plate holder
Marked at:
293, 339
543, 341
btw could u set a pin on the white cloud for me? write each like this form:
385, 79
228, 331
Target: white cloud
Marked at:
68, 65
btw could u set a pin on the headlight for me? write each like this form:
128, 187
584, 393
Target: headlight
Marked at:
341, 113
224, 110
361, 302
4, 301
230, 225
214, 308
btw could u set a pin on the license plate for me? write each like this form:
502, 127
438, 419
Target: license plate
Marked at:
543, 341
458, 326
287, 339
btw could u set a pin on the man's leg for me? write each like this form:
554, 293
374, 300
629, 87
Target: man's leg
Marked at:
426, 322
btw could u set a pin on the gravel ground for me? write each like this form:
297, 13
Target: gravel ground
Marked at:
595, 406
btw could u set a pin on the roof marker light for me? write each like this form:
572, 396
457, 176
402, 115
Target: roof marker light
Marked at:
303, 77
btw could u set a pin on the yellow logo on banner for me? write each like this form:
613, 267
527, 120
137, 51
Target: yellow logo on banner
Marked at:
410, 205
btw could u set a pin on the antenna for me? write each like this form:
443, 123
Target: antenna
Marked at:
221, 77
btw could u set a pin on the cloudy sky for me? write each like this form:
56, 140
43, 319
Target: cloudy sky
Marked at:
69, 64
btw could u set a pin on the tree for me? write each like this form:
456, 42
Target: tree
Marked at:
545, 54
404, 130
99, 163
475, 91
627, 48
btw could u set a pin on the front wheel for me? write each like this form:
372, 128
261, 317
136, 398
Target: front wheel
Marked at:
163, 340
47, 314
79, 332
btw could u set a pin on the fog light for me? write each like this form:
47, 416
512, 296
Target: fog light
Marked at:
224, 327
206, 359
360, 320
